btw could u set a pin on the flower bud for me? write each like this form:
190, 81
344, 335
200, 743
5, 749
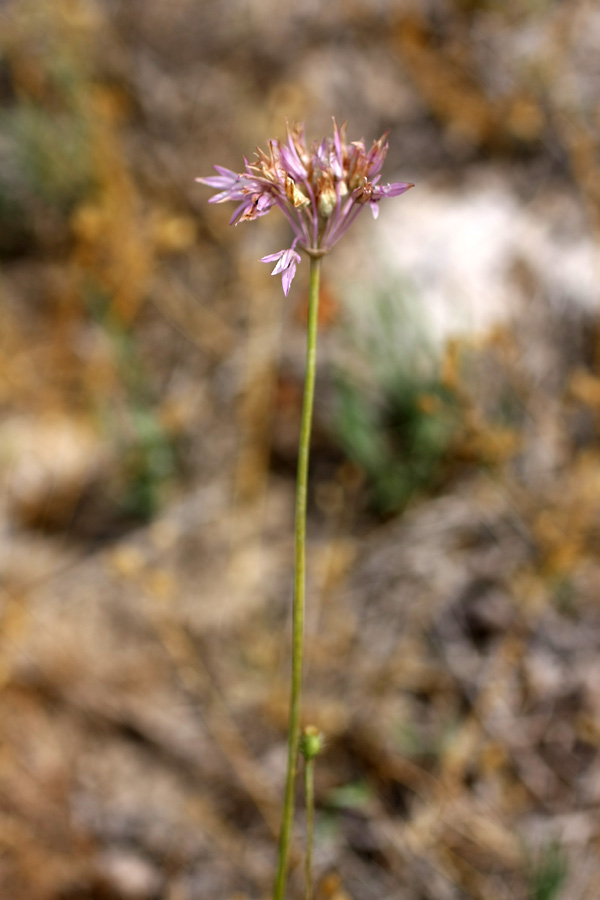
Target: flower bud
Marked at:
357, 181
311, 742
327, 202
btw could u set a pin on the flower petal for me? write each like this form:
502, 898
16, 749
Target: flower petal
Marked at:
272, 257
291, 162
392, 190
287, 260
287, 278
225, 179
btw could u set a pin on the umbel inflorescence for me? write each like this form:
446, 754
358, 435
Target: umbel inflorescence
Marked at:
320, 189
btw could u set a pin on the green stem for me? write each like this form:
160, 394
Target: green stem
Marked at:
299, 582
309, 789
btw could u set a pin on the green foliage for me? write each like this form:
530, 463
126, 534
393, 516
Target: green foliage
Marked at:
398, 427
564, 595
354, 795
47, 155
46, 163
149, 464
148, 455
409, 740
548, 873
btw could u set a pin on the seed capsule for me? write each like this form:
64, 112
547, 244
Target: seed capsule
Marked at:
326, 202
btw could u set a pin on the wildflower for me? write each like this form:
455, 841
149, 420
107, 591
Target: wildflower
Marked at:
320, 189
287, 262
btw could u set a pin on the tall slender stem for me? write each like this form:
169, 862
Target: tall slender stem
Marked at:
299, 582
309, 790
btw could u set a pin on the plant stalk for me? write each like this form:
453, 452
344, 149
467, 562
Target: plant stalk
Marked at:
309, 790
299, 582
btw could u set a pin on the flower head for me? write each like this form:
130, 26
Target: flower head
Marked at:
320, 189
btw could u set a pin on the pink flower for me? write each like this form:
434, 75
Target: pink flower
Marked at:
320, 189
287, 262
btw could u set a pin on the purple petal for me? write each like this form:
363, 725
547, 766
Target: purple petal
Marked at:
377, 154
226, 173
338, 144
288, 258
241, 209
292, 164
213, 181
227, 178
264, 204
392, 190
281, 265
287, 278
289, 150
224, 196
272, 257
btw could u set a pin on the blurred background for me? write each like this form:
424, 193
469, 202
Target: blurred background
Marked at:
151, 377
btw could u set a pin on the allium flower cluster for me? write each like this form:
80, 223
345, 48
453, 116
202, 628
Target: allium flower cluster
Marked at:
320, 189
